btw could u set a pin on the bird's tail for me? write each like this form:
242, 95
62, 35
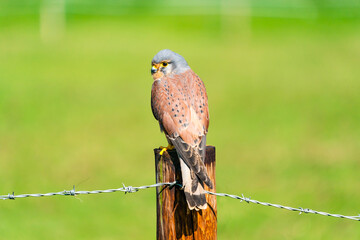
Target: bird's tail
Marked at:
193, 189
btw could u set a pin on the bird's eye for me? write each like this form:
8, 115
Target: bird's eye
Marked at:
164, 64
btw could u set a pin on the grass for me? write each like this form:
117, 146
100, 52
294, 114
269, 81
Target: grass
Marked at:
284, 104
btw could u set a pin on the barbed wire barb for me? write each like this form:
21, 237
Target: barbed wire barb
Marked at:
170, 185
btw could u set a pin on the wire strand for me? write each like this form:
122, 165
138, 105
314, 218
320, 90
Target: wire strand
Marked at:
130, 189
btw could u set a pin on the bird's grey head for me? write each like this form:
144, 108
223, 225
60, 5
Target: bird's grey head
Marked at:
167, 62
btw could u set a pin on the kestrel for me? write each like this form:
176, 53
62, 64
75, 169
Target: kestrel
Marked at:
179, 103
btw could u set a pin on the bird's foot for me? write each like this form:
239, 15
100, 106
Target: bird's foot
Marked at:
164, 149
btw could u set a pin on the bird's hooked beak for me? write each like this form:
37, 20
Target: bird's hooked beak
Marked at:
153, 69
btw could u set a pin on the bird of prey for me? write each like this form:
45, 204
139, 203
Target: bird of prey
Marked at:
179, 103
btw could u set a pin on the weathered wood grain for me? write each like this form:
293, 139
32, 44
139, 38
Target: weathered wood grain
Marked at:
174, 219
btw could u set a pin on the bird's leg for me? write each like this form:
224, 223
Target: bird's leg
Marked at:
164, 149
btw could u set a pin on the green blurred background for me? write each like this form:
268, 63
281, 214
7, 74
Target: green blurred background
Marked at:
284, 95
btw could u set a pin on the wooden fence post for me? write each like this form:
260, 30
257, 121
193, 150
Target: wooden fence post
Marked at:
174, 219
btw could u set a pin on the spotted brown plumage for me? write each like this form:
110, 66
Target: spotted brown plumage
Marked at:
179, 103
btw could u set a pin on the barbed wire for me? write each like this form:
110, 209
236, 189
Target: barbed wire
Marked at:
299, 209
126, 189
130, 189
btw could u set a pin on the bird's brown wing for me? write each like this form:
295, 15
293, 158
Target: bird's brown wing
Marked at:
179, 102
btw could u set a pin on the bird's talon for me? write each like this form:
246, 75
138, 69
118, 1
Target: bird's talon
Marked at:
164, 149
